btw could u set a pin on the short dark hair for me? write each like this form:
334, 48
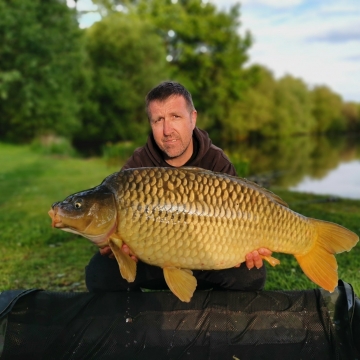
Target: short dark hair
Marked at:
166, 89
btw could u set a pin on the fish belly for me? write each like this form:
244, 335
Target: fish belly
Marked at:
201, 220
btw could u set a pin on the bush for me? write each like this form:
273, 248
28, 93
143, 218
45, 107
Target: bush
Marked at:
53, 145
119, 152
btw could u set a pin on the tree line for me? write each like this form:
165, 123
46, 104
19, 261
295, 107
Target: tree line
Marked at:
88, 85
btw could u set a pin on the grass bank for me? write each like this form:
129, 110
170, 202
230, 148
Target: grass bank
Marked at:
33, 255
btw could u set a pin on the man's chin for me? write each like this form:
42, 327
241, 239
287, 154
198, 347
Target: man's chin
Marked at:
171, 154
173, 151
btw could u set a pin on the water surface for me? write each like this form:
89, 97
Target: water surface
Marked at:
320, 165
344, 181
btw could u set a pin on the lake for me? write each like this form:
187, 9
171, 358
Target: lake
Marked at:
320, 165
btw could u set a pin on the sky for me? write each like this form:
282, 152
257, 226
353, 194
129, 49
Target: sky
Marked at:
315, 40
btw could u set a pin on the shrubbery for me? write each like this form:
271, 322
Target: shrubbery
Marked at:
88, 86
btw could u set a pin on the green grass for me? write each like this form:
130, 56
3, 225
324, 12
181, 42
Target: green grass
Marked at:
33, 255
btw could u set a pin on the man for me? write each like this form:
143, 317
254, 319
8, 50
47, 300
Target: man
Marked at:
175, 141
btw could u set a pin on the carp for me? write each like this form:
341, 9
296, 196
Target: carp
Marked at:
182, 219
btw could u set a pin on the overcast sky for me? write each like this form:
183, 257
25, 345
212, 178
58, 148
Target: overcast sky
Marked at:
316, 40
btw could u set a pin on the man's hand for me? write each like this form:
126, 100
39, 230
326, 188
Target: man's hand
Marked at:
106, 251
254, 258
126, 250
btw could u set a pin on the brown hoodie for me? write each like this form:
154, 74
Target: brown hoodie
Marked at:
206, 155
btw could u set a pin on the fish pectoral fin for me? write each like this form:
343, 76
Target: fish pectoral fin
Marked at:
181, 282
271, 260
126, 264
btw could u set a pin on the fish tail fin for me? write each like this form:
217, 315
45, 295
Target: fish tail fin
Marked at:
319, 264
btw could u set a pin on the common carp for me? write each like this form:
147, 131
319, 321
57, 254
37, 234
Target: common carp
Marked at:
182, 219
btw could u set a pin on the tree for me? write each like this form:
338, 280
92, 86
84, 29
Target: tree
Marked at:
126, 59
206, 53
204, 50
351, 113
293, 108
327, 110
41, 57
254, 112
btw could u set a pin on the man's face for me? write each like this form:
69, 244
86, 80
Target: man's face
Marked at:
172, 124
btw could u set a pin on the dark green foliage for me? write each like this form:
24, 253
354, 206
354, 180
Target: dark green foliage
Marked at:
327, 110
89, 85
53, 145
254, 113
126, 59
206, 54
118, 152
351, 114
40, 58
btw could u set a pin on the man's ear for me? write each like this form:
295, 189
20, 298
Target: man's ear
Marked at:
193, 118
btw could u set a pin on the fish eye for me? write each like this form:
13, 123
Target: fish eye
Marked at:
77, 205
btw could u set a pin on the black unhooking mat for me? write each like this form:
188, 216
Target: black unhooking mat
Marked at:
311, 324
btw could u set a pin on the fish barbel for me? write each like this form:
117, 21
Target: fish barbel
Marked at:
190, 218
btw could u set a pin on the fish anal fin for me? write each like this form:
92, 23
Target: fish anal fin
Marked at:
271, 260
181, 282
320, 266
319, 263
127, 265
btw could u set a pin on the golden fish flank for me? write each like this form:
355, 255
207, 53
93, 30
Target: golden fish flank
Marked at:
189, 218
209, 216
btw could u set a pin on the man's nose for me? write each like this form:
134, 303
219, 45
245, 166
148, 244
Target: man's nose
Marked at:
167, 127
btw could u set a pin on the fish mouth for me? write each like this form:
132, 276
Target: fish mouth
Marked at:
58, 223
56, 220
101, 240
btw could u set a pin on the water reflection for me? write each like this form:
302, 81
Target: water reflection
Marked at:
314, 161
344, 181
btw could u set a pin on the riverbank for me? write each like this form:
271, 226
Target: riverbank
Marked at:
33, 255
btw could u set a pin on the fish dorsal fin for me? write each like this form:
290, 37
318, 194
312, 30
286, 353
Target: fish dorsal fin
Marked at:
264, 191
241, 181
195, 168
126, 264
181, 282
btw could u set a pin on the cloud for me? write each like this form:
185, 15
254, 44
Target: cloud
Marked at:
314, 40
274, 3
355, 57
339, 35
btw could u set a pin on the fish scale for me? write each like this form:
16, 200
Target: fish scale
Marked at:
203, 219
190, 218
